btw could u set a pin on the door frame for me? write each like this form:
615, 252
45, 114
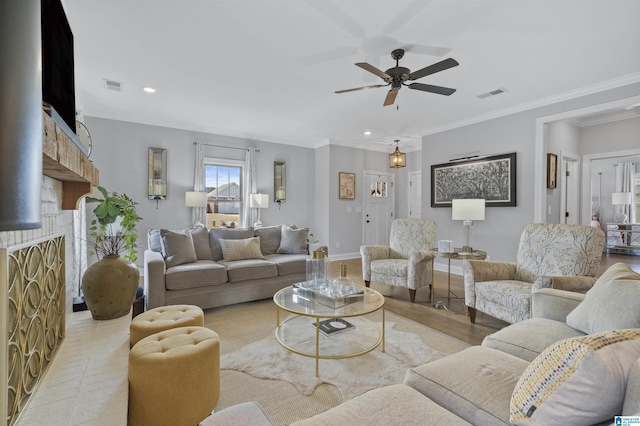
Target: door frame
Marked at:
566, 156
414, 176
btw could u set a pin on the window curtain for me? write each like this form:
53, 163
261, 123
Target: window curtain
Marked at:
199, 214
249, 187
625, 182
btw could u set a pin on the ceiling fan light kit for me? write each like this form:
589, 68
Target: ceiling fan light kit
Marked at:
397, 76
397, 159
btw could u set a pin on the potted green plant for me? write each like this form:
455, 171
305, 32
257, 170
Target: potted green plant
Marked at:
109, 285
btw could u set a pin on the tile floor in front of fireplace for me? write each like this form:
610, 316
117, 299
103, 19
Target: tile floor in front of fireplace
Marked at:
87, 382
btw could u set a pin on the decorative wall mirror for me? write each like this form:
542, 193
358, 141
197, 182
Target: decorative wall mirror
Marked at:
157, 174
279, 181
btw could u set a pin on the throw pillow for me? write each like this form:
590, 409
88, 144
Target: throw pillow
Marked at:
580, 380
201, 244
248, 248
610, 304
154, 240
293, 241
228, 234
178, 247
269, 238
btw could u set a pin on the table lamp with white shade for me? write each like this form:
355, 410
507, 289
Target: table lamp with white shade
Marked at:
195, 199
621, 199
467, 210
258, 201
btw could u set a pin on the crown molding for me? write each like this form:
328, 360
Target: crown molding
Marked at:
565, 96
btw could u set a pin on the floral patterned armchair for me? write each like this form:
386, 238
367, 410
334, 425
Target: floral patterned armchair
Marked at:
565, 257
407, 261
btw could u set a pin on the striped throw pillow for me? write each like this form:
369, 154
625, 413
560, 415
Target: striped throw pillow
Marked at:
247, 248
580, 380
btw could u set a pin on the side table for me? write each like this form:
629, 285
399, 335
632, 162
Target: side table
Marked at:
457, 254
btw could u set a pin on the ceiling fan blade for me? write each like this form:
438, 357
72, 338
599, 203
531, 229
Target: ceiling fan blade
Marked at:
447, 91
368, 67
432, 69
391, 96
361, 88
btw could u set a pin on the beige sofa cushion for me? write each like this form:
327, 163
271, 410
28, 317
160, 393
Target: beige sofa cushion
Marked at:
527, 339
198, 274
611, 303
388, 405
249, 269
289, 263
581, 380
475, 383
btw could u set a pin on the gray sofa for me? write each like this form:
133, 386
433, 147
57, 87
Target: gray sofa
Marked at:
218, 267
576, 361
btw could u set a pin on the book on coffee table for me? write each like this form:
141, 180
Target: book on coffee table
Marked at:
332, 326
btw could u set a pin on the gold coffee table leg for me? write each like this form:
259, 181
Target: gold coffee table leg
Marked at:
317, 346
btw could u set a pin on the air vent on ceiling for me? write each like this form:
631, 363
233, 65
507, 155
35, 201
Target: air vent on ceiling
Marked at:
491, 93
113, 85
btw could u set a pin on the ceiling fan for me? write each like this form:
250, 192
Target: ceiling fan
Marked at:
396, 77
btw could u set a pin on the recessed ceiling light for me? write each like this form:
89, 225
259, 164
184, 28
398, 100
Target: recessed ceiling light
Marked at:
149, 89
367, 132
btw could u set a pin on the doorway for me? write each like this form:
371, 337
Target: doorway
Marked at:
379, 201
540, 201
415, 194
570, 189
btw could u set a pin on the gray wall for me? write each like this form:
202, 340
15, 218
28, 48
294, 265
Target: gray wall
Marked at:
120, 153
499, 233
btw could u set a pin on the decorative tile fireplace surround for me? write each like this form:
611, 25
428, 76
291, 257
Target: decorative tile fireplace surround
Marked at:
40, 292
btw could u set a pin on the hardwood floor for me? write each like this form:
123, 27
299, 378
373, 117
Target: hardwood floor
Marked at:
451, 318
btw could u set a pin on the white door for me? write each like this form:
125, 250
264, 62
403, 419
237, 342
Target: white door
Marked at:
378, 209
570, 189
415, 194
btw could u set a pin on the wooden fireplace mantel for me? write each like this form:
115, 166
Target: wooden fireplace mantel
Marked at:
62, 160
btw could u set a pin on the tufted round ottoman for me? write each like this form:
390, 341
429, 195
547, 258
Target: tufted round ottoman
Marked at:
164, 318
174, 377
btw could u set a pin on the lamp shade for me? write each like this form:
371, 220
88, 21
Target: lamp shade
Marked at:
259, 201
621, 198
468, 209
195, 199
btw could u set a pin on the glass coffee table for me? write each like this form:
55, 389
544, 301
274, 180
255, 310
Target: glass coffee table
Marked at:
300, 331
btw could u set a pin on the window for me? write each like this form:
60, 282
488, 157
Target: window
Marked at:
223, 182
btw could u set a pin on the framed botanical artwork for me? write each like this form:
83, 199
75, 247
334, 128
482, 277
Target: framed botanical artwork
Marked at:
552, 170
492, 178
347, 186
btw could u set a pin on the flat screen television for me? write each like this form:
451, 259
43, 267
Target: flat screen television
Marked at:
58, 83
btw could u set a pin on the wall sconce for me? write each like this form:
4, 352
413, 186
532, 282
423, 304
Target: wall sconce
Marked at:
397, 159
195, 199
157, 174
621, 199
467, 210
279, 182
258, 201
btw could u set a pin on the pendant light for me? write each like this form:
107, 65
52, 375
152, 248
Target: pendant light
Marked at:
397, 159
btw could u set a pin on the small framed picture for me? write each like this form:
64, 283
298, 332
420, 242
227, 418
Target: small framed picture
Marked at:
552, 170
346, 186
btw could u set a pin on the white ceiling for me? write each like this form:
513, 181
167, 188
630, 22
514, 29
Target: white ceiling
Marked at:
268, 69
